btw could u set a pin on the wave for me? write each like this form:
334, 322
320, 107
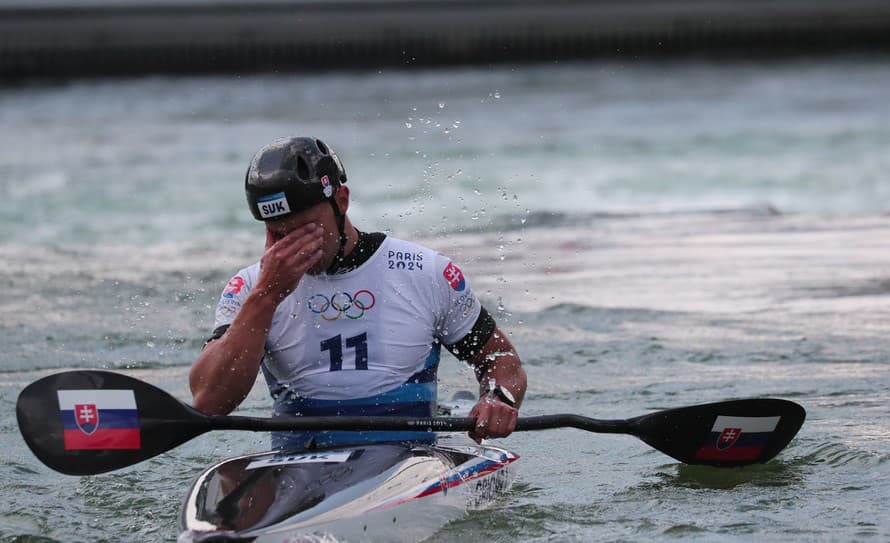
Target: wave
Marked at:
551, 219
840, 454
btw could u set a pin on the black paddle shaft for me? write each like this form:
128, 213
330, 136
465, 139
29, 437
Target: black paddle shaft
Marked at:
687, 434
426, 424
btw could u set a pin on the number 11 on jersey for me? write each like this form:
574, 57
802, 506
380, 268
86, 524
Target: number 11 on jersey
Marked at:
359, 344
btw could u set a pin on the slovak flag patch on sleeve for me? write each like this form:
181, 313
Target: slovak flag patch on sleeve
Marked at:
99, 419
737, 438
454, 276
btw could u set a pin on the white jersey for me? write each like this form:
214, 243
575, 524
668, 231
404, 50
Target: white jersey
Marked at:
366, 341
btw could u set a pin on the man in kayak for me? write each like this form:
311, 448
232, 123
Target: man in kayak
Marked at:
343, 322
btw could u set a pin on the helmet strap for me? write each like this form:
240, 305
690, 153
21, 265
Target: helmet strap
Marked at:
341, 226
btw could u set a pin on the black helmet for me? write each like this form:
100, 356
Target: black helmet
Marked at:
290, 175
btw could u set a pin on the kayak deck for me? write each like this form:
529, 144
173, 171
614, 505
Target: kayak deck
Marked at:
384, 491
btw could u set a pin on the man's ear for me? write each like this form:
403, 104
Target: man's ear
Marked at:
342, 198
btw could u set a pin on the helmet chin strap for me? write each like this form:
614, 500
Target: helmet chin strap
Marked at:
341, 226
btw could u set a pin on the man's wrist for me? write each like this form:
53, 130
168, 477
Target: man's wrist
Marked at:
500, 392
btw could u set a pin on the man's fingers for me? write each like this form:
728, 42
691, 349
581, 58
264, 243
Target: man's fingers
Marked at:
289, 257
493, 419
288, 238
308, 231
500, 424
295, 247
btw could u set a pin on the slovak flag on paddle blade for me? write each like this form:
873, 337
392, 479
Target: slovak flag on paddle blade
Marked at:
737, 438
99, 419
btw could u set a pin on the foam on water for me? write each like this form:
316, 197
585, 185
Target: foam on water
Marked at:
154, 159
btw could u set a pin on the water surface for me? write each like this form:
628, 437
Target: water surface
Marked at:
652, 235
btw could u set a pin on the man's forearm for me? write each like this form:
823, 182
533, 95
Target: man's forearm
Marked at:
226, 369
508, 373
498, 360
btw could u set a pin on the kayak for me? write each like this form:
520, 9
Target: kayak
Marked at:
372, 492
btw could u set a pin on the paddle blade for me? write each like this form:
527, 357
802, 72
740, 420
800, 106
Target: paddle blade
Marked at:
88, 422
734, 433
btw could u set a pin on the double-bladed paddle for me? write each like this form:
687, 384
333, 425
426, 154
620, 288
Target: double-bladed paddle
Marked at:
89, 422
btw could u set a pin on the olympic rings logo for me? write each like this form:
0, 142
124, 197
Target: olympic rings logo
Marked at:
342, 304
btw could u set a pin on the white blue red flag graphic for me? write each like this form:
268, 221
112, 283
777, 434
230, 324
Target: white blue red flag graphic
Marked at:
233, 287
737, 438
99, 419
454, 276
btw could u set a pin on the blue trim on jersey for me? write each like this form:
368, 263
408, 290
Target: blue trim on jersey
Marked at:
301, 440
416, 397
430, 368
399, 402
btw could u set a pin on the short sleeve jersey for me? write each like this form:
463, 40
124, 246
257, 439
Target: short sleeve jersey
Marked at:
366, 341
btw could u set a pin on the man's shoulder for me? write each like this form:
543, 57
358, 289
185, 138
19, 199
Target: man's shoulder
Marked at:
248, 273
424, 267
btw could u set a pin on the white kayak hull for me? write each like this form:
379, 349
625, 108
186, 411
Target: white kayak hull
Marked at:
375, 492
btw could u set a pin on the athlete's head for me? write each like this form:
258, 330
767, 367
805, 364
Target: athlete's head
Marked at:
288, 183
290, 175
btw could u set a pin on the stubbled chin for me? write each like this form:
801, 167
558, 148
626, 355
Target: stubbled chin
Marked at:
318, 269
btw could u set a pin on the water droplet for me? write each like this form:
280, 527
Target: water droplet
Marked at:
441, 105
408, 125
